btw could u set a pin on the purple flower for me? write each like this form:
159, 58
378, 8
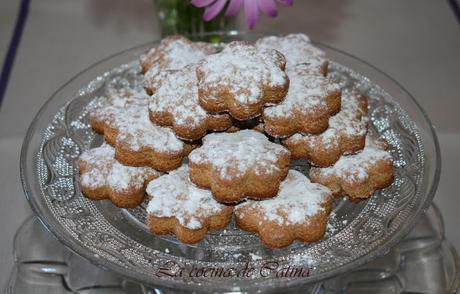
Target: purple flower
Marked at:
251, 8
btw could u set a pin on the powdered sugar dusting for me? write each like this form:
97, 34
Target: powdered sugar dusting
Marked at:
136, 130
297, 49
173, 53
131, 117
354, 168
298, 200
177, 94
351, 119
308, 92
115, 100
232, 155
174, 195
350, 122
102, 169
243, 70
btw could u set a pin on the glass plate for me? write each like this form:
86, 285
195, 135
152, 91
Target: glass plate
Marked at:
43, 266
227, 260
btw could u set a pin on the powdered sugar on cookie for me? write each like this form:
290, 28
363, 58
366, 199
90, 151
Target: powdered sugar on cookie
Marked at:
173, 53
136, 130
311, 100
356, 168
178, 95
117, 99
352, 119
176, 99
308, 92
233, 155
131, 117
173, 195
243, 71
349, 123
298, 199
297, 49
100, 169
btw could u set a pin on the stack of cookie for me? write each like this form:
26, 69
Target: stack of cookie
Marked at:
213, 135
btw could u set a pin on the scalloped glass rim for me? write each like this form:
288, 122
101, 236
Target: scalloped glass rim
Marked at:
32, 142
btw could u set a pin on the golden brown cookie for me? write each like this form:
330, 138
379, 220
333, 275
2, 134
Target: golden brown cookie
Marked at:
103, 177
175, 104
109, 106
236, 166
359, 175
346, 134
125, 123
299, 212
173, 53
297, 48
241, 80
311, 100
179, 207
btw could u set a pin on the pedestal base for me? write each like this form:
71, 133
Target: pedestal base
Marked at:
424, 262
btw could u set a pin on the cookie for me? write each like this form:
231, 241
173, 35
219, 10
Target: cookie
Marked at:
311, 100
109, 106
241, 80
173, 53
236, 166
179, 207
297, 48
125, 123
299, 212
103, 177
175, 104
359, 175
346, 134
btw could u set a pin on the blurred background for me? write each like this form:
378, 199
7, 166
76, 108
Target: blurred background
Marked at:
45, 43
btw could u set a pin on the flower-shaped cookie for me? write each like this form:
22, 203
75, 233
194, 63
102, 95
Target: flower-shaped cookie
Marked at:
109, 107
241, 80
126, 125
175, 104
309, 103
103, 177
346, 134
299, 212
239, 165
178, 206
173, 53
359, 175
297, 49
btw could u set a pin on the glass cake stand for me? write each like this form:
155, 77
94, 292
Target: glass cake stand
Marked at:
118, 240
47, 266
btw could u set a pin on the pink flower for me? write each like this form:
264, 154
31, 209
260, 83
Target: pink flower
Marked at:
251, 8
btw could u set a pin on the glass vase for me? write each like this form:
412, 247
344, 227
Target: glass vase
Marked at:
181, 17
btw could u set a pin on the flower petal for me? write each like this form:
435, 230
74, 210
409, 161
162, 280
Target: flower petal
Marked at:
268, 7
202, 3
234, 7
251, 12
213, 10
286, 2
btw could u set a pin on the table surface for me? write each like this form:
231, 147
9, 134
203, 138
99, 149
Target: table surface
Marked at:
415, 41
